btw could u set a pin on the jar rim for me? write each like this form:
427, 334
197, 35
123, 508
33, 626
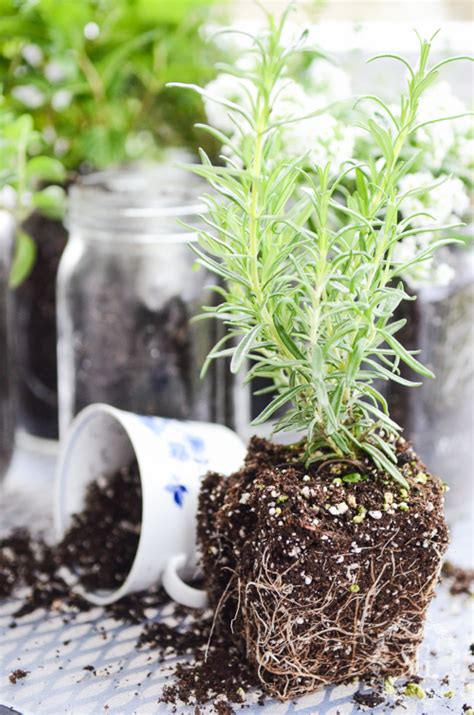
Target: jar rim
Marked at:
137, 201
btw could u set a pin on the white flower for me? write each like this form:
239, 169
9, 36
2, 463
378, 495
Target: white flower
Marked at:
54, 72
440, 138
91, 31
33, 54
289, 100
466, 151
443, 274
328, 83
232, 89
61, 99
61, 146
445, 202
29, 95
322, 137
427, 272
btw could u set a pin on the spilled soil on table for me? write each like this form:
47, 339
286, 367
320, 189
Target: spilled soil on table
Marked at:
99, 548
213, 672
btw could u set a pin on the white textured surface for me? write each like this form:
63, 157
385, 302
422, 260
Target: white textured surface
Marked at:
58, 684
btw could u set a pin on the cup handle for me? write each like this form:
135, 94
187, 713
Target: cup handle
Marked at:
177, 589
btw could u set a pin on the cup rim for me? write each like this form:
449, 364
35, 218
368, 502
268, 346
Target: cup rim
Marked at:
101, 597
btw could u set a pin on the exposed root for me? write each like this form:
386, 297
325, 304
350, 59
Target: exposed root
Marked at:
321, 605
296, 647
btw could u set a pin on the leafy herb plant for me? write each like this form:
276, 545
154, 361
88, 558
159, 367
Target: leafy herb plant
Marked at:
309, 303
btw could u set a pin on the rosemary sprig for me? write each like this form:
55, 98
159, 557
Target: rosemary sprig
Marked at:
309, 302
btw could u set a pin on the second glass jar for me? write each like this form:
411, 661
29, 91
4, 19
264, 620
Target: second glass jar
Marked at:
127, 292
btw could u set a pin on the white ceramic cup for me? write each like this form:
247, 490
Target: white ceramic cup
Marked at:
172, 458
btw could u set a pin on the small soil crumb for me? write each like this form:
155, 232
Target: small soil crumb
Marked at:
368, 700
223, 708
461, 581
17, 675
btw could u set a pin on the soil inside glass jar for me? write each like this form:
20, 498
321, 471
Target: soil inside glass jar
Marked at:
142, 365
36, 333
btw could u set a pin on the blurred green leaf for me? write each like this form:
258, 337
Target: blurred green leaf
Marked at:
167, 12
23, 260
50, 201
44, 168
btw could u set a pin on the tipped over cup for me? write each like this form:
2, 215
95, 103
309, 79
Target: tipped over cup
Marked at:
172, 458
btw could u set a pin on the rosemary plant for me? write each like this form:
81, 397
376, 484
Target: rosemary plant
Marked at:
308, 303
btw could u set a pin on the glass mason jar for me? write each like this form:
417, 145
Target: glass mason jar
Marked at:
438, 416
7, 412
127, 291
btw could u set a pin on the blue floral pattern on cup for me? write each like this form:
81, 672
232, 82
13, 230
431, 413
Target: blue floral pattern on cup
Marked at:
178, 451
178, 491
156, 424
187, 453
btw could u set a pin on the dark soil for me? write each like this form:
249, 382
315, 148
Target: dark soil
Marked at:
36, 333
321, 579
17, 675
99, 547
461, 581
223, 676
368, 700
101, 544
213, 669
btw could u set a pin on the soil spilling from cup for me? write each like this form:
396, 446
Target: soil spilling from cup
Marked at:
211, 670
101, 543
325, 573
98, 548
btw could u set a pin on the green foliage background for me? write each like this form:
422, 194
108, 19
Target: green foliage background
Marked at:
119, 108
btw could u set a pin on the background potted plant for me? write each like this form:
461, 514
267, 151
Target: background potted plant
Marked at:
321, 556
93, 77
